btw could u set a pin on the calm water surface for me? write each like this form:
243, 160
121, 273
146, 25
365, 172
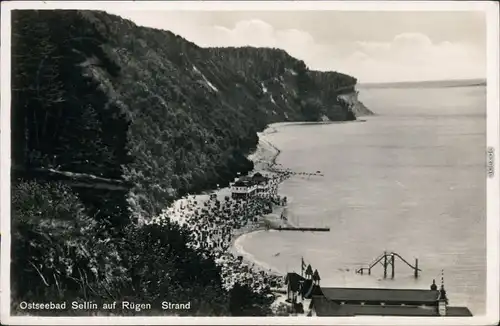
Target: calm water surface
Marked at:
410, 180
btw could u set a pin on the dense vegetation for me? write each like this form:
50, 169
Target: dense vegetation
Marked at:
60, 253
95, 95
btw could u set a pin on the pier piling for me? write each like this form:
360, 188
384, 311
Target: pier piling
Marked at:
385, 264
392, 266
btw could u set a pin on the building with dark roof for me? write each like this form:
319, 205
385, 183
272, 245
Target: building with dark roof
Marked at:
243, 188
258, 178
337, 301
247, 186
321, 306
294, 285
376, 296
383, 302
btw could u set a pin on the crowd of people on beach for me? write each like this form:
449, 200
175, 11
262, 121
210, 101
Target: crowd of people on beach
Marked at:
215, 220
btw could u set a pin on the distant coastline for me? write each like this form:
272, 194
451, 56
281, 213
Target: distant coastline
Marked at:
427, 84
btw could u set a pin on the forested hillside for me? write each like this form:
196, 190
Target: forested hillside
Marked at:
149, 115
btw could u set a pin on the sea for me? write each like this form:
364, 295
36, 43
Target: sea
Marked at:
410, 180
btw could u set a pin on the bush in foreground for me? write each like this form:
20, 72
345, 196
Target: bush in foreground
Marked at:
59, 253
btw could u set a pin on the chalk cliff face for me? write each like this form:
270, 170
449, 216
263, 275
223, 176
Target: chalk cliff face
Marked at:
100, 96
357, 107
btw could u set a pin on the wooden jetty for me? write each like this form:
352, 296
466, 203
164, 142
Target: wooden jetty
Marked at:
310, 229
284, 217
389, 259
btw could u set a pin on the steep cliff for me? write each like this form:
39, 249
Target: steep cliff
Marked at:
95, 94
112, 121
357, 107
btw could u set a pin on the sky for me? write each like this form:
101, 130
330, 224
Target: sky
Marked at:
371, 46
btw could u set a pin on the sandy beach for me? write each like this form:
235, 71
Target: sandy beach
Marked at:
264, 159
219, 223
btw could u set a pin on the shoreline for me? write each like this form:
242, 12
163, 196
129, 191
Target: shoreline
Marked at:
268, 165
240, 234
300, 123
218, 223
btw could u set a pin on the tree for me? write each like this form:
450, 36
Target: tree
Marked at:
312, 109
59, 251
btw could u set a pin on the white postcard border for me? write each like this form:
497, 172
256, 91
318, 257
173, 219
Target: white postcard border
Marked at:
493, 137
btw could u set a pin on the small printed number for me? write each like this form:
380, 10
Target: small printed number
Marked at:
491, 161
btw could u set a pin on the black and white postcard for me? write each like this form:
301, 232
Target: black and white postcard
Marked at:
260, 162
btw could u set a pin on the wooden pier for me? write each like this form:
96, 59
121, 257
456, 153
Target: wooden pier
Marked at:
389, 259
284, 217
310, 229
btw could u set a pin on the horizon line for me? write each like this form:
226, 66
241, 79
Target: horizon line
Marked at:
477, 79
